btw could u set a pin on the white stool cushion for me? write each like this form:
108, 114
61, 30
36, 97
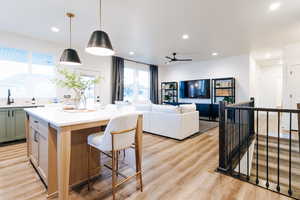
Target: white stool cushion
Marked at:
95, 139
121, 122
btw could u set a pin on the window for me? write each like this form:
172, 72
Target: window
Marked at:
136, 82
26, 74
89, 92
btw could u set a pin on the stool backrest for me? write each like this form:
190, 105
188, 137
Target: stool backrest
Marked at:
122, 128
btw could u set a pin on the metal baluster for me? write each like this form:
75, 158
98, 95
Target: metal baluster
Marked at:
267, 160
278, 154
227, 130
233, 133
257, 180
239, 142
247, 143
290, 158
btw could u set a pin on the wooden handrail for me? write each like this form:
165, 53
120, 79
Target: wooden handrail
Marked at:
263, 109
123, 131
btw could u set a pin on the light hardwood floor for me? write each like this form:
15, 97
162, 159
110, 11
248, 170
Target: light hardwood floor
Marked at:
172, 171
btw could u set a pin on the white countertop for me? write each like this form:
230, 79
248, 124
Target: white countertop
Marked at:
59, 117
20, 106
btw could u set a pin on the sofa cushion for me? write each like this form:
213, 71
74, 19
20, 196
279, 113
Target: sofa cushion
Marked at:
165, 108
143, 107
185, 108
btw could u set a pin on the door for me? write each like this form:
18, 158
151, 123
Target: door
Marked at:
3, 122
293, 83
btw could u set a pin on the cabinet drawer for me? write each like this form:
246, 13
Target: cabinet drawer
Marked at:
33, 122
39, 125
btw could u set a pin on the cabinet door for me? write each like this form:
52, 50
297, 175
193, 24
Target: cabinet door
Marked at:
19, 119
10, 126
43, 156
3, 125
35, 147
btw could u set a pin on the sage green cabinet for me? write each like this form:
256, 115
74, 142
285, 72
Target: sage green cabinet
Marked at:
12, 124
3, 124
19, 123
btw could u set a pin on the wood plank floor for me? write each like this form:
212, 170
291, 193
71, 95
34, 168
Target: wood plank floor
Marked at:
172, 171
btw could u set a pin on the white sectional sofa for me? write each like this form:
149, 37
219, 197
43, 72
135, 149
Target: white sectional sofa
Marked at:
178, 122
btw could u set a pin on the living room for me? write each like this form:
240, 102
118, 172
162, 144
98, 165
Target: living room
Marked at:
151, 100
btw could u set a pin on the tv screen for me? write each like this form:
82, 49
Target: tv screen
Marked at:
195, 89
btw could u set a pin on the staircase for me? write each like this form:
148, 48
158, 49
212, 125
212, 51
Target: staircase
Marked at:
273, 165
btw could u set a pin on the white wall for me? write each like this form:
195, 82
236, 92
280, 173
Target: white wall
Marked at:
269, 86
101, 65
291, 60
237, 67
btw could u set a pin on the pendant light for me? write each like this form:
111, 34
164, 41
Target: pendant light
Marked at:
70, 56
99, 43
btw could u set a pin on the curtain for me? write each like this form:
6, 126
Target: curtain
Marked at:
154, 84
117, 79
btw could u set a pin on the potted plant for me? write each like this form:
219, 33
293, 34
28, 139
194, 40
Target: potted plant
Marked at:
77, 84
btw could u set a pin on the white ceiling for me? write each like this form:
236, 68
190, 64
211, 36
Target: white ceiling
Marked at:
153, 28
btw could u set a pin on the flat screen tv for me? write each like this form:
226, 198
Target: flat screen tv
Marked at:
199, 89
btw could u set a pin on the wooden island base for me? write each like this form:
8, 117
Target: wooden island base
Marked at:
78, 158
60, 152
78, 161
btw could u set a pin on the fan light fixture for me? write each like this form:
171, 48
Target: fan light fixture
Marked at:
70, 56
99, 43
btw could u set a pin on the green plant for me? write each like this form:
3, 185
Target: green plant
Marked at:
167, 97
75, 82
228, 99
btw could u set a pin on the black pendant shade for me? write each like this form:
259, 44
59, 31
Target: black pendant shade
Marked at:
99, 44
70, 57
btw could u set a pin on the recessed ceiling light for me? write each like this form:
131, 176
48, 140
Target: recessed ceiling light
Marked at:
215, 54
185, 36
131, 53
54, 29
274, 6
268, 56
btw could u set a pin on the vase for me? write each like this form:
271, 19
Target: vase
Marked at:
80, 101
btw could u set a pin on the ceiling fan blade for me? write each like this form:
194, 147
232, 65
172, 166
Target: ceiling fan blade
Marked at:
185, 60
168, 57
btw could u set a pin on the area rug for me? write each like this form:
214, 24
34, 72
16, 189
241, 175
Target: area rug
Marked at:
207, 125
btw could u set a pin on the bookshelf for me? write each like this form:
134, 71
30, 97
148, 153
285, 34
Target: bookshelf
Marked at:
169, 92
224, 90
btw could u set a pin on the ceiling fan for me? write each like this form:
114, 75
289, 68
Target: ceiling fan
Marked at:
174, 59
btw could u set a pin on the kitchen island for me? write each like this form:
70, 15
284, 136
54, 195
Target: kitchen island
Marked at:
57, 145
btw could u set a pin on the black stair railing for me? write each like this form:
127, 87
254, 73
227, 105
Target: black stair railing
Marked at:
239, 127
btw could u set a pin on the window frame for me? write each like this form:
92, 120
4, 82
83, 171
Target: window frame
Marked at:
29, 63
137, 67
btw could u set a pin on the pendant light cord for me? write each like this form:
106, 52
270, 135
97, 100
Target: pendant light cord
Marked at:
70, 33
100, 14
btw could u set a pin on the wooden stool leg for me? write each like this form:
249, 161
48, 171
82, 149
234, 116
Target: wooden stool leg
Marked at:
117, 163
139, 169
113, 174
88, 168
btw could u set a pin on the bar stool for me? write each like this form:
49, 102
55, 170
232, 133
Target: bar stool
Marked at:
118, 135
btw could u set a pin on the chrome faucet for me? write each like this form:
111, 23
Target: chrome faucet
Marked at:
9, 99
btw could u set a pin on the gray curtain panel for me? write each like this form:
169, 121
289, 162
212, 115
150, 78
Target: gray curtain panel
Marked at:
117, 79
154, 84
